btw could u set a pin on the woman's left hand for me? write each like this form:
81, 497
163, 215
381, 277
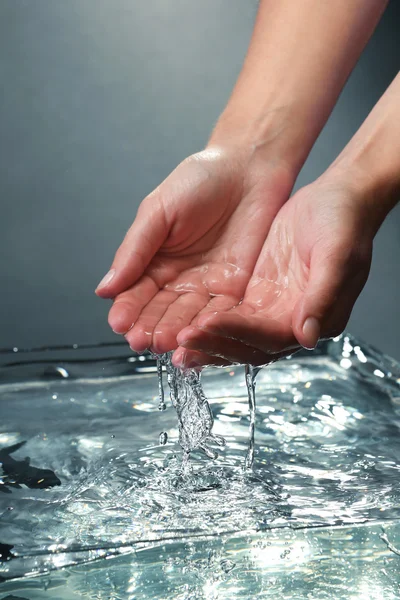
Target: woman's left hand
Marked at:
311, 270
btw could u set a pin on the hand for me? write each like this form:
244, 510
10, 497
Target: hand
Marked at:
313, 266
193, 245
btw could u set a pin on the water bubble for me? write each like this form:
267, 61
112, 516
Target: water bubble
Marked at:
163, 439
227, 565
60, 371
209, 452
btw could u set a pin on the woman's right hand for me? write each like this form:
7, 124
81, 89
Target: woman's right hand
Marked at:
193, 245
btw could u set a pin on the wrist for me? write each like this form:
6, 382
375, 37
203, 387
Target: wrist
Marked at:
373, 195
270, 135
371, 158
263, 170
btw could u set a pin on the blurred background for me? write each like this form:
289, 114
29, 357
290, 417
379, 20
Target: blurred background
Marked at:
100, 99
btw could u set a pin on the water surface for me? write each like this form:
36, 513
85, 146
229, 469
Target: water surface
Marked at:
114, 517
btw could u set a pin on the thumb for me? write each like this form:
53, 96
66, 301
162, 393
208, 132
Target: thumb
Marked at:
144, 238
333, 287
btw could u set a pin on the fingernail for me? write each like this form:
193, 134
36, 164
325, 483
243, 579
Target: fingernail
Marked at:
311, 331
106, 279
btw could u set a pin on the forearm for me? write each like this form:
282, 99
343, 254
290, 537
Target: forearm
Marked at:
299, 58
370, 163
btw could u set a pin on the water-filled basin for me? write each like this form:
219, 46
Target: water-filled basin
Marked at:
93, 506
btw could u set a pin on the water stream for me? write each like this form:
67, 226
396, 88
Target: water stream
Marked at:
193, 410
195, 418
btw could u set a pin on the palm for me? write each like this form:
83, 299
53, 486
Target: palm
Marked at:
311, 237
214, 222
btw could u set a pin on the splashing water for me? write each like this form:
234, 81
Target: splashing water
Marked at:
194, 414
318, 515
193, 410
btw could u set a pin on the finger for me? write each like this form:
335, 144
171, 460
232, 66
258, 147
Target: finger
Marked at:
232, 351
190, 359
257, 331
217, 304
334, 283
140, 336
177, 316
128, 305
336, 320
144, 238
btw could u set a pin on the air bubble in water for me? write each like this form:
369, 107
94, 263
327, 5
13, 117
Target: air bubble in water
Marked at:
163, 438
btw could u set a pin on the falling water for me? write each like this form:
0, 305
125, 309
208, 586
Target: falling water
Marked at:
194, 414
195, 418
161, 405
250, 374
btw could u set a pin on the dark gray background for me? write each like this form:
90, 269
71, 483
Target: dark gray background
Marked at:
100, 99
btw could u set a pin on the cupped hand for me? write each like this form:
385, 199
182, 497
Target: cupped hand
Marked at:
311, 269
193, 245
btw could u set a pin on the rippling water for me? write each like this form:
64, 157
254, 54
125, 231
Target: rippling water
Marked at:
316, 517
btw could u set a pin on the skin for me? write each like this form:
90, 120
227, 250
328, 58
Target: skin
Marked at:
219, 235
309, 265
200, 265
317, 255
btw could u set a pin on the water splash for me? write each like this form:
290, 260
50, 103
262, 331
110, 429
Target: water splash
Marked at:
194, 413
195, 418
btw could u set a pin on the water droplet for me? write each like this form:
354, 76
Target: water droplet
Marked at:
227, 565
163, 439
61, 372
209, 452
